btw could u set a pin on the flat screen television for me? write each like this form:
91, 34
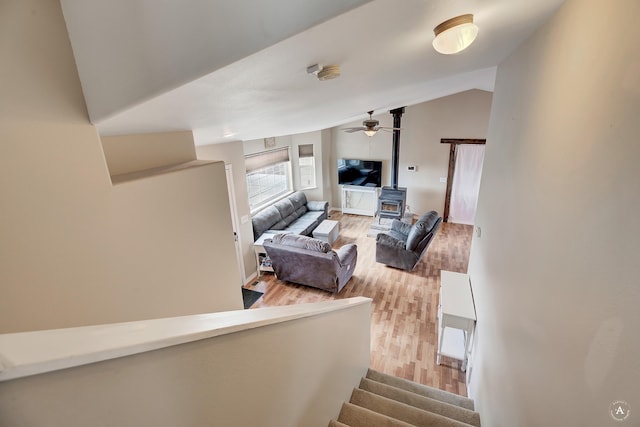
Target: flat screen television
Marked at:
365, 173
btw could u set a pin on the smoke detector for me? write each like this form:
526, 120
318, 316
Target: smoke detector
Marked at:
327, 72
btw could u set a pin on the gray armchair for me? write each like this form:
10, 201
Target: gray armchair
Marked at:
404, 244
311, 262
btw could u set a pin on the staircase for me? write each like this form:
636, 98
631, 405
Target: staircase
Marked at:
384, 400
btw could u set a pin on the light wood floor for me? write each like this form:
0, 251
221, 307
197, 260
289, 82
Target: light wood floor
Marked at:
403, 323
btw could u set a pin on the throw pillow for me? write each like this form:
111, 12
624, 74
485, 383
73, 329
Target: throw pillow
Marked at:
302, 242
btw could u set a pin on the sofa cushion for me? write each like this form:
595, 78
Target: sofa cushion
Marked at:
420, 229
302, 242
430, 219
298, 228
291, 218
318, 205
417, 233
400, 227
302, 222
401, 238
280, 225
298, 200
285, 207
311, 216
264, 220
391, 239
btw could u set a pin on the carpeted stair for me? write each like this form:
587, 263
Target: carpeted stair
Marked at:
386, 401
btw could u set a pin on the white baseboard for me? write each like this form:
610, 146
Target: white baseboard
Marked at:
251, 279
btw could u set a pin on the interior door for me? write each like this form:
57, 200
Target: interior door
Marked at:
234, 222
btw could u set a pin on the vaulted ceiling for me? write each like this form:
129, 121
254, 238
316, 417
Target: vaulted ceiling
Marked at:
236, 70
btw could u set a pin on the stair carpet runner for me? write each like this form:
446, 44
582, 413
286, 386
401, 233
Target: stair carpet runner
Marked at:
383, 400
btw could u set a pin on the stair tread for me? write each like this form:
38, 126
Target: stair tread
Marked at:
421, 402
401, 411
421, 389
335, 423
357, 416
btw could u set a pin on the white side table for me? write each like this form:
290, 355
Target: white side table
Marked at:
327, 231
261, 253
456, 317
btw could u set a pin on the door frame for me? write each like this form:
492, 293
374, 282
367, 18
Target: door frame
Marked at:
452, 168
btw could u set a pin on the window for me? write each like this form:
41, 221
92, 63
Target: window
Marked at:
307, 166
268, 177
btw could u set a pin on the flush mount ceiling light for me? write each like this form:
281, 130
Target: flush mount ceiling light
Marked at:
455, 35
327, 72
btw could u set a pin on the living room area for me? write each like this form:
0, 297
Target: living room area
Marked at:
404, 331
423, 127
404, 323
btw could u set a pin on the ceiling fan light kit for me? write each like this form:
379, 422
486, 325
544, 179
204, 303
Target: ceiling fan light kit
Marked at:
370, 126
455, 35
327, 72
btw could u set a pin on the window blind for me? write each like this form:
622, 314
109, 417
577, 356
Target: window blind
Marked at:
266, 158
305, 150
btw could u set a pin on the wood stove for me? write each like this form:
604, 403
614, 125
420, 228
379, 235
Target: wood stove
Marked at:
393, 199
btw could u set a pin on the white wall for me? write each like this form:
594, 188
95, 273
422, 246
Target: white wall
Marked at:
75, 250
289, 374
232, 153
328, 180
463, 115
127, 63
555, 273
257, 145
130, 153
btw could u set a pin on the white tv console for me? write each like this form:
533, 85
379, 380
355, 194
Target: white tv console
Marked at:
359, 200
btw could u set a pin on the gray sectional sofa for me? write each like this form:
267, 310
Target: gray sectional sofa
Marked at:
293, 214
311, 262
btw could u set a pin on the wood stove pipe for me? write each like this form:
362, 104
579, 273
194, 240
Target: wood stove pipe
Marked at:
395, 154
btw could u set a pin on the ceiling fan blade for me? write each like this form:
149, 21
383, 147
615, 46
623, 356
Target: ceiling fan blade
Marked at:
351, 130
388, 128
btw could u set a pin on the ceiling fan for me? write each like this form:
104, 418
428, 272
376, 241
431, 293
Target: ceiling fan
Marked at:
370, 126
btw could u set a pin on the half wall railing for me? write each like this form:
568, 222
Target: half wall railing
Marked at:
278, 366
